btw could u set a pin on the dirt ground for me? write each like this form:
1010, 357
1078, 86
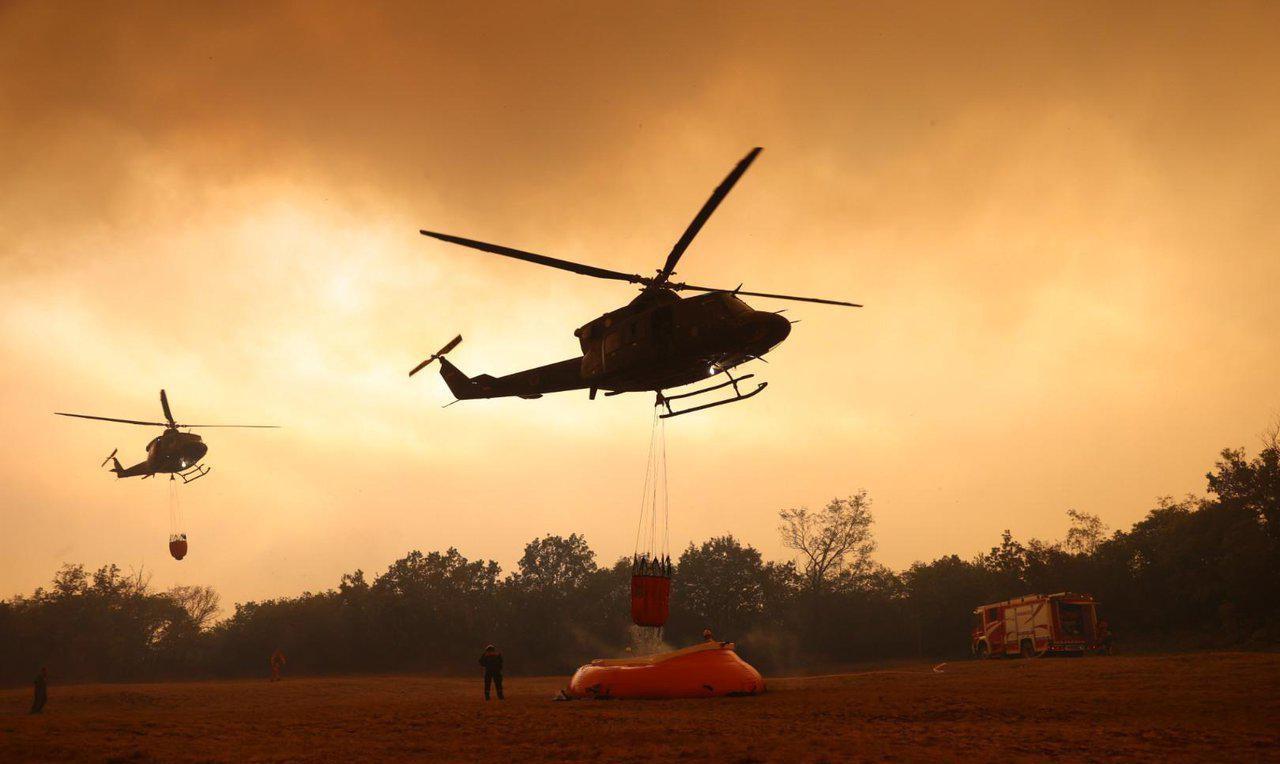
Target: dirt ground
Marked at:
1220, 707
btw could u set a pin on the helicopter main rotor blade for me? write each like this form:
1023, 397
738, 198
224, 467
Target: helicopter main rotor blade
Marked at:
700, 219
554, 262
113, 419
164, 403
242, 426
679, 287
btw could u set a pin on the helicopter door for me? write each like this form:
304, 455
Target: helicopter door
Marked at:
592, 351
609, 348
623, 343
663, 328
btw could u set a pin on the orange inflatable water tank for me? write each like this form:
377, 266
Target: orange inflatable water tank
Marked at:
711, 669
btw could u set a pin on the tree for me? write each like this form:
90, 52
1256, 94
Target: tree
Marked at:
1251, 484
1007, 564
831, 542
941, 595
201, 603
1085, 534
552, 603
432, 609
556, 564
721, 585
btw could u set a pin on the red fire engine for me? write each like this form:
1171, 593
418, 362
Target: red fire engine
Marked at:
1035, 625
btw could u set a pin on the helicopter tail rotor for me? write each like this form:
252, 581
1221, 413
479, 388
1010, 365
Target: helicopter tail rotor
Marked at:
116, 467
110, 456
453, 343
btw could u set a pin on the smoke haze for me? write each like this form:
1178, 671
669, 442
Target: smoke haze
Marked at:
1058, 216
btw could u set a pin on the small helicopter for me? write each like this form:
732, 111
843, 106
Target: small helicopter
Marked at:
657, 341
173, 452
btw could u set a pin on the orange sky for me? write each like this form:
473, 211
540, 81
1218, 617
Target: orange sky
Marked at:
1059, 215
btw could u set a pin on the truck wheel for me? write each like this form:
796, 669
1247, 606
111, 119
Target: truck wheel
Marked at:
1028, 649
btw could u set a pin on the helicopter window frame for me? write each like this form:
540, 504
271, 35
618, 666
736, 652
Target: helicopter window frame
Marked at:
717, 310
612, 342
735, 306
635, 330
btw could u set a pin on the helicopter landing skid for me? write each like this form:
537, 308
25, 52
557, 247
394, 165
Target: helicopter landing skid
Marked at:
738, 395
193, 474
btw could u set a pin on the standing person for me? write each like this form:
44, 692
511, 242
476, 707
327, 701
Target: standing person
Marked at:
707, 636
277, 663
491, 659
42, 691
1105, 637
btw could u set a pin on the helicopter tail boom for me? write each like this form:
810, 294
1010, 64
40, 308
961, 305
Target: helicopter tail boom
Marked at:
462, 386
530, 383
142, 469
116, 467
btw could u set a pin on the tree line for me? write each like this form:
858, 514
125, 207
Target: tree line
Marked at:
1198, 572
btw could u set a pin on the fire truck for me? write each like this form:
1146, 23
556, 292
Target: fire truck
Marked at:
1036, 625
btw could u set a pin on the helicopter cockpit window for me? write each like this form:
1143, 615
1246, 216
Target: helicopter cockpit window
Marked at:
736, 306
716, 309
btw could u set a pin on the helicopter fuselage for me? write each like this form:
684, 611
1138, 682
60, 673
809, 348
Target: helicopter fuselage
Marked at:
171, 451
662, 341
174, 451
657, 342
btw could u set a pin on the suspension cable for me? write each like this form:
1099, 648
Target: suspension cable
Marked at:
648, 476
653, 533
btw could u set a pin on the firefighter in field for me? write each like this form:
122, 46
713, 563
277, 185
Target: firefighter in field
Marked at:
1105, 637
277, 663
491, 660
42, 691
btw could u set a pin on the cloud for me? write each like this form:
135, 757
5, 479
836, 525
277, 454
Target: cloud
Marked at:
1057, 219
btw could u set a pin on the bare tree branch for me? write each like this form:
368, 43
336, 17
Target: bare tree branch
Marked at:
832, 542
201, 603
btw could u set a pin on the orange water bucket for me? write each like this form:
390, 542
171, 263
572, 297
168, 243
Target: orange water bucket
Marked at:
650, 600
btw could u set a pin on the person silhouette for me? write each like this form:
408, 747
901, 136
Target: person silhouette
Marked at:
41, 691
491, 659
277, 663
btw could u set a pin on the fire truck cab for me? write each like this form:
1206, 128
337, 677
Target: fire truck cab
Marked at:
1035, 625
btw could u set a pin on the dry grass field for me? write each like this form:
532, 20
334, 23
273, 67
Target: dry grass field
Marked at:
1219, 707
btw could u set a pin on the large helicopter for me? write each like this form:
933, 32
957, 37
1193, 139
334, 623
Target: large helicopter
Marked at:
171, 452
657, 341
